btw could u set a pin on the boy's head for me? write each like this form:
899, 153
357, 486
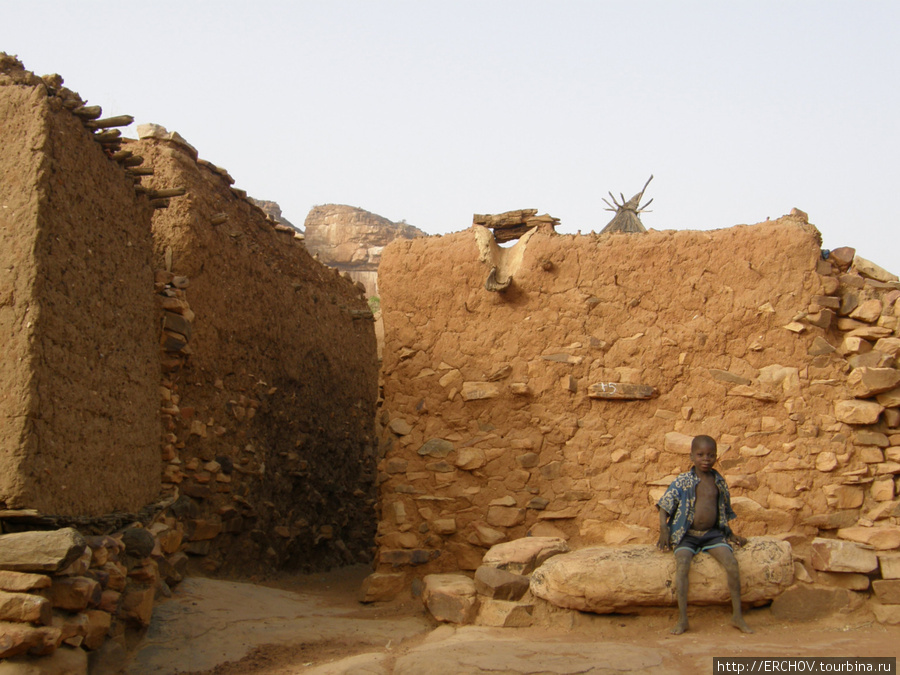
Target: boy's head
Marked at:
703, 452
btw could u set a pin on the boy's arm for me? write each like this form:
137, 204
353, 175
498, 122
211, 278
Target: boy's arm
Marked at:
663, 544
735, 538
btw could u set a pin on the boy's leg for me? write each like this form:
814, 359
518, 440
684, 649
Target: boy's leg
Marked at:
725, 556
683, 559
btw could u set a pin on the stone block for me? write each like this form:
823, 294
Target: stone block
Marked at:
881, 537
450, 598
74, 594
849, 580
500, 584
19, 638
857, 412
808, 603
836, 555
25, 608
887, 614
136, 605
890, 565
678, 443
522, 556
606, 579
505, 614
867, 382
843, 496
505, 516
436, 447
889, 399
39, 551
22, 582
887, 591
381, 587
870, 270
833, 521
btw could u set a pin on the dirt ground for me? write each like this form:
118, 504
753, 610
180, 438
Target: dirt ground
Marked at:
628, 637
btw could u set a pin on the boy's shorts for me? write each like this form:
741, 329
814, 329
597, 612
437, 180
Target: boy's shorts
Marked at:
695, 541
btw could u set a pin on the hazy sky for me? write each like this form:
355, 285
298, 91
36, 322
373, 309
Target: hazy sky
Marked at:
432, 111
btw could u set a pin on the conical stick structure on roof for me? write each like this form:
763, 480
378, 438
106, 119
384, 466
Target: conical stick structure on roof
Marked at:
627, 218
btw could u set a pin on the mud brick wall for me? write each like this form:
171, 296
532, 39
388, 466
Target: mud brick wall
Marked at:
80, 368
269, 386
745, 333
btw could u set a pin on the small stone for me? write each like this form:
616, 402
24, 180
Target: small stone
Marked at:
477, 391
820, 346
470, 459
400, 426
826, 461
678, 443
24, 608
436, 447
74, 594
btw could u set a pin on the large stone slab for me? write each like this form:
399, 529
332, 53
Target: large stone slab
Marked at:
40, 551
808, 603
522, 556
604, 580
883, 537
835, 555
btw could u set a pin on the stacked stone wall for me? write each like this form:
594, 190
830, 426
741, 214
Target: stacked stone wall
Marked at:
80, 369
497, 420
269, 385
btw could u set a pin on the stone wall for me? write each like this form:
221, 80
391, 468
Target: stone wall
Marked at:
500, 412
268, 410
80, 371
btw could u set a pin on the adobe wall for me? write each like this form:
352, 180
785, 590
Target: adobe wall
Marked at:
489, 431
268, 411
78, 379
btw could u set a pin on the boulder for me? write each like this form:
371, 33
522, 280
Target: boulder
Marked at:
500, 584
450, 597
38, 551
522, 556
604, 580
835, 555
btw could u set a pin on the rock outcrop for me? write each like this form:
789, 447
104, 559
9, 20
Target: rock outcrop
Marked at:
351, 240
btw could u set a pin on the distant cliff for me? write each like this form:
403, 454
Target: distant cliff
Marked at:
352, 239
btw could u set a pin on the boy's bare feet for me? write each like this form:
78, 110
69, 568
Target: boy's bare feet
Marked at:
740, 625
682, 627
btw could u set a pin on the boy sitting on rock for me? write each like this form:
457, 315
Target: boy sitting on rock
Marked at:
693, 517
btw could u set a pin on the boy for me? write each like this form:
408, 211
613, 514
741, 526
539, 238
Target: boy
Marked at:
693, 517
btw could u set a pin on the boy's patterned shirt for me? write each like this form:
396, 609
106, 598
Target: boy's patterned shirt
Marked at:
680, 499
